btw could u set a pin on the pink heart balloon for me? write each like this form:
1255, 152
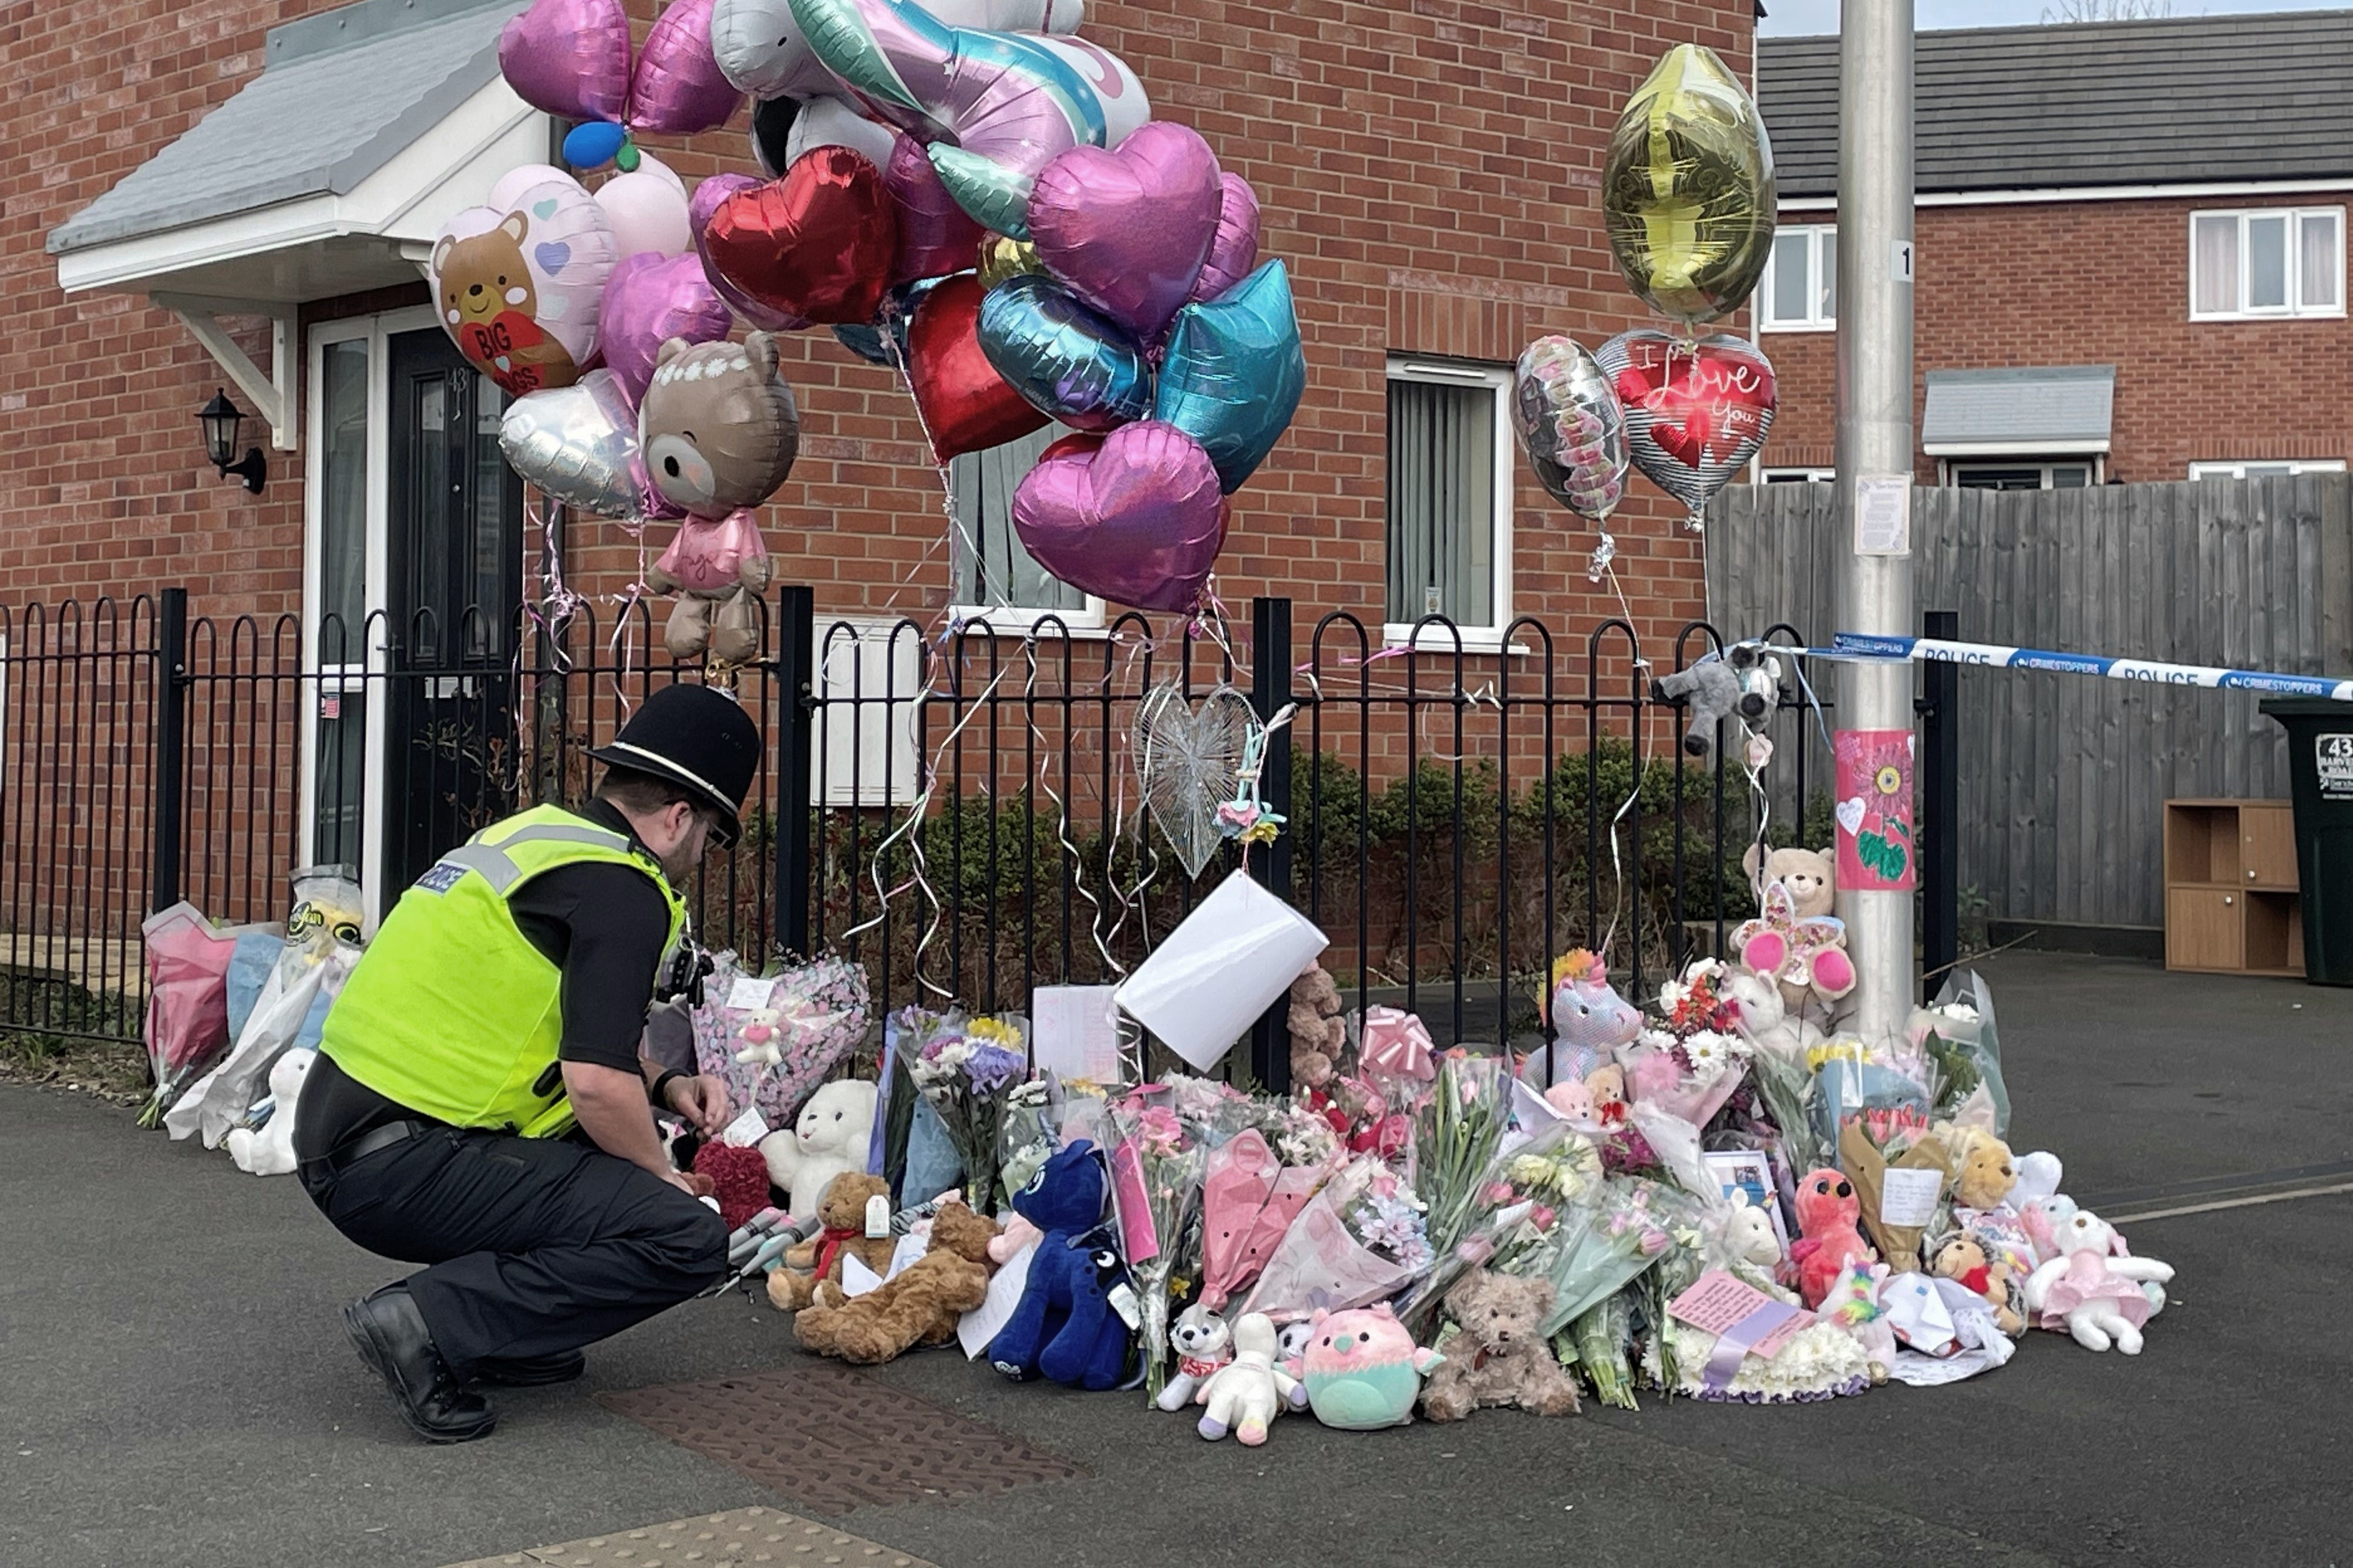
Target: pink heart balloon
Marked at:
1233, 254
649, 300
708, 198
936, 236
1134, 517
569, 57
1128, 231
678, 86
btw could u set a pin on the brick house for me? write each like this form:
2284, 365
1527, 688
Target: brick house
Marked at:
2130, 251
237, 194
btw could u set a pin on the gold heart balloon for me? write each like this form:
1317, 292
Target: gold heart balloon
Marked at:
1687, 188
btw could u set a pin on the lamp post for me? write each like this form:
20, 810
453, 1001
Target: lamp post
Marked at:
219, 420
1875, 478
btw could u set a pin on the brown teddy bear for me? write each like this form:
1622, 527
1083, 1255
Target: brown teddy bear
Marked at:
842, 1211
1810, 875
1318, 1033
1499, 1358
1986, 1170
1964, 1257
918, 1308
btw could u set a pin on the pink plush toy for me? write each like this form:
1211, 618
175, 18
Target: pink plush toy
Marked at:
2091, 1291
1007, 1242
1805, 954
1828, 1215
1363, 1370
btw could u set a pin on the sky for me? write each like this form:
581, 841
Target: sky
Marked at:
1792, 18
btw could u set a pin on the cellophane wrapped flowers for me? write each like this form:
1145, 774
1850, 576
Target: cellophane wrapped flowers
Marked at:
966, 1069
1156, 1167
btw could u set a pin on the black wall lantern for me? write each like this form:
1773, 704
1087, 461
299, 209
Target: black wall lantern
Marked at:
220, 418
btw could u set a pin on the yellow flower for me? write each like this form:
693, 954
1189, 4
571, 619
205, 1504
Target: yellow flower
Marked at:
996, 1032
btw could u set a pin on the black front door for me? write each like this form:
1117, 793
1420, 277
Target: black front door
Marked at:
455, 537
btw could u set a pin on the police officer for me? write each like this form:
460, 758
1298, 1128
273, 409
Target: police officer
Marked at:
480, 1102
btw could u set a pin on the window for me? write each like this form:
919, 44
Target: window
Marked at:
1450, 498
1799, 293
2285, 470
869, 676
2065, 475
1798, 477
2272, 261
993, 575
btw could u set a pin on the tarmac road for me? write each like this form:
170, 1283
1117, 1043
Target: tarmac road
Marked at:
175, 1388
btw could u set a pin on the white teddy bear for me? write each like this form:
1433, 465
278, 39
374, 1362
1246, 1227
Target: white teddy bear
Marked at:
271, 1151
1765, 1018
1246, 1396
827, 1139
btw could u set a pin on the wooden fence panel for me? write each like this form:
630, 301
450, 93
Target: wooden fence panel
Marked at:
2064, 777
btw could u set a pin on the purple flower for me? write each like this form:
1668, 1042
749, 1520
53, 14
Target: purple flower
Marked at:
993, 1068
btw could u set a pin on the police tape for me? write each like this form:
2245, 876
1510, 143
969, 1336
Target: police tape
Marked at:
1857, 647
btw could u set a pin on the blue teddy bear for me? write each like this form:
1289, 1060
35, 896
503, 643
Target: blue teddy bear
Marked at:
1065, 1328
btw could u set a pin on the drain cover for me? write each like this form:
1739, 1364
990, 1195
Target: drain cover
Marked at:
837, 1440
740, 1538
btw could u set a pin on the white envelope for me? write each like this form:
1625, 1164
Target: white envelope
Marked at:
1231, 959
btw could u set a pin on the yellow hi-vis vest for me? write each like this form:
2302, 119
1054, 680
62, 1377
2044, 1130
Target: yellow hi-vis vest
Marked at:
452, 1011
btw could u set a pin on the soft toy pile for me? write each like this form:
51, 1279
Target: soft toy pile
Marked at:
1706, 1197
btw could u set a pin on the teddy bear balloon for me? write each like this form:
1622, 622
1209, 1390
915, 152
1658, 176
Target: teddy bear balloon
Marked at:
720, 431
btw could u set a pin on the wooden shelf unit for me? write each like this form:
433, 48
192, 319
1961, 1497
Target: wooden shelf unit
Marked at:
2231, 902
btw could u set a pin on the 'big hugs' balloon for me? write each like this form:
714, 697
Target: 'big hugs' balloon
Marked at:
518, 291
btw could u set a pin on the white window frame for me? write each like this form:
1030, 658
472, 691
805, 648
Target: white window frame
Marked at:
1819, 236
2295, 308
376, 332
1950, 469
1084, 624
1488, 639
1797, 475
2295, 467
887, 659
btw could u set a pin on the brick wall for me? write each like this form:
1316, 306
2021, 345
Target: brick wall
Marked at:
1430, 172
2095, 283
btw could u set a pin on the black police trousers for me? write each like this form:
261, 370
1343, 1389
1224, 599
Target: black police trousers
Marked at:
535, 1246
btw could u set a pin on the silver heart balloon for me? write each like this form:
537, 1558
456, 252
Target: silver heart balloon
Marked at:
578, 445
1189, 760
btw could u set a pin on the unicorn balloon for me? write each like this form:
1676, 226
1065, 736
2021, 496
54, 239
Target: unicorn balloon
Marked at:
997, 107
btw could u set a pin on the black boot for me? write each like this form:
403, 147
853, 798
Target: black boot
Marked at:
531, 1371
390, 1334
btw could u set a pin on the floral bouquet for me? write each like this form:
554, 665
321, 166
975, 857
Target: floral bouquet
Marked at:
1959, 1036
1456, 1134
1690, 1068
1211, 1110
1249, 1200
1603, 1246
1156, 1190
965, 1075
772, 1040
1359, 1240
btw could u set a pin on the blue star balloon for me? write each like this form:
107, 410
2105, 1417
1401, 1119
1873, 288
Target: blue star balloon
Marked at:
1068, 360
1234, 373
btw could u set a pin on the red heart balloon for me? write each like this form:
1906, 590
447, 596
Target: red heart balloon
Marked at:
966, 404
817, 244
1695, 411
